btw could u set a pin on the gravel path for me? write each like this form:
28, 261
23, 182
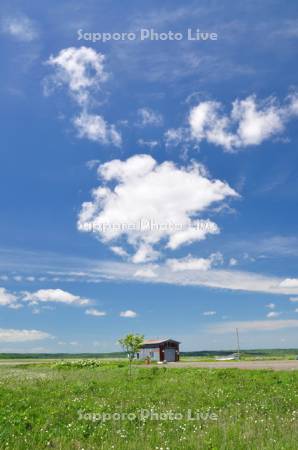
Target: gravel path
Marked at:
253, 365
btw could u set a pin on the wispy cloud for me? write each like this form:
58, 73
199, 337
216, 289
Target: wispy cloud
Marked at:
12, 335
190, 263
99, 271
209, 313
95, 312
82, 72
129, 314
20, 27
145, 273
148, 117
254, 325
272, 314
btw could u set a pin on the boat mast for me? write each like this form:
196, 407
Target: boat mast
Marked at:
238, 346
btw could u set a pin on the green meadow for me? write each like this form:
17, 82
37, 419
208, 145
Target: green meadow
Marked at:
96, 405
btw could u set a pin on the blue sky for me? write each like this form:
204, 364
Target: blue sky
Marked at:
195, 134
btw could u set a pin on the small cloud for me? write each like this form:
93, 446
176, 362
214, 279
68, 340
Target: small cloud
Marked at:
190, 263
7, 298
209, 313
270, 305
149, 144
3, 277
12, 335
20, 27
119, 251
233, 262
128, 314
289, 283
95, 128
95, 312
145, 253
15, 306
149, 117
18, 278
175, 136
55, 296
255, 325
92, 163
293, 299
81, 70
272, 314
145, 273
30, 279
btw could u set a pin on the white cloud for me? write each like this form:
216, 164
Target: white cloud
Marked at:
20, 27
15, 306
196, 232
190, 263
95, 128
11, 335
233, 262
209, 313
56, 296
149, 144
273, 314
145, 253
145, 273
95, 312
30, 278
175, 136
81, 70
18, 278
90, 270
234, 280
149, 117
293, 299
148, 202
250, 122
296, 310
83, 73
289, 283
6, 298
128, 314
254, 325
271, 305
119, 251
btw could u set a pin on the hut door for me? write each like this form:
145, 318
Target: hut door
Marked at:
170, 354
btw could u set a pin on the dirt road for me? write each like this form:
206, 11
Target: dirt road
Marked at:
253, 365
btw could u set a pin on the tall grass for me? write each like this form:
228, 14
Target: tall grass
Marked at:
40, 407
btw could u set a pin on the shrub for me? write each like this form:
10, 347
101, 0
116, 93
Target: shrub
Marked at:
77, 364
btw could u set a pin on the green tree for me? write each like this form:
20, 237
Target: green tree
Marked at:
131, 344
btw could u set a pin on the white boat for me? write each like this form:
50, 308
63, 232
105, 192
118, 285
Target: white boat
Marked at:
228, 357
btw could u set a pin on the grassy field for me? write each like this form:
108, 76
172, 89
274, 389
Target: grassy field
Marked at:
61, 405
246, 355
